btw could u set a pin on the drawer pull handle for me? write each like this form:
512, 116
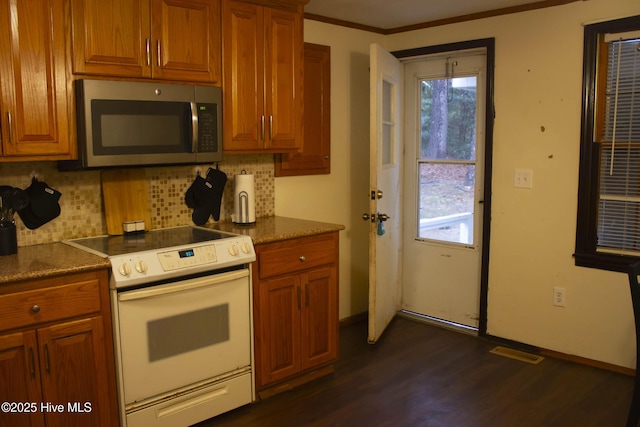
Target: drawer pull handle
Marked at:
303, 258
35, 308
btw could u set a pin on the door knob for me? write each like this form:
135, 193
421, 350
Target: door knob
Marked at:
372, 217
367, 217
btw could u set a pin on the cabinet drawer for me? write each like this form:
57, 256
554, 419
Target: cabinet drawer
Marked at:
49, 304
295, 255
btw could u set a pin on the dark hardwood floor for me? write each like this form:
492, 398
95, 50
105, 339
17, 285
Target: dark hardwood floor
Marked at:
423, 375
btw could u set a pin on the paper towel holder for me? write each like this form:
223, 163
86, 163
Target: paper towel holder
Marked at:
244, 211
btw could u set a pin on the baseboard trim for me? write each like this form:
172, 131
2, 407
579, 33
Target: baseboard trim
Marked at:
589, 362
356, 318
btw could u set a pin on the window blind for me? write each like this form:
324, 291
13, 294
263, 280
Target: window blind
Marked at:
619, 196
622, 99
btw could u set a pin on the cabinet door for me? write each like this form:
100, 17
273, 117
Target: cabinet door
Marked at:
111, 37
243, 86
278, 340
75, 372
20, 378
319, 317
283, 79
186, 37
35, 118
314, 158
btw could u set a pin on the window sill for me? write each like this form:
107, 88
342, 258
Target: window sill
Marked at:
602, 261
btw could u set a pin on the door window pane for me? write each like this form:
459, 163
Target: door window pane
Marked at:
446, 202
446, 165
388, 125
448, 119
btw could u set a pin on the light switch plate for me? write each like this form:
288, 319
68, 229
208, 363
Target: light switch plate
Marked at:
523, 178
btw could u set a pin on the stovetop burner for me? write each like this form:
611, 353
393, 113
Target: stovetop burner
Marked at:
167, 253
150, 240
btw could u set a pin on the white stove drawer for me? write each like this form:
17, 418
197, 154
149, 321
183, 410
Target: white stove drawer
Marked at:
196, 406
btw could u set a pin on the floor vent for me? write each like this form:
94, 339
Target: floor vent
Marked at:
518, 355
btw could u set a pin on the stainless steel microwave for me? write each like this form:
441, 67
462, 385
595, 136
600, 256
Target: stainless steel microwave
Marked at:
143, 124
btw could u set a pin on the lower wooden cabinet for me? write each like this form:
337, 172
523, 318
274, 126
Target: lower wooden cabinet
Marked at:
295, 310
57, 365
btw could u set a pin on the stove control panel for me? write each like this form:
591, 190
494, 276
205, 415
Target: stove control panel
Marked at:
148, 266
190, 257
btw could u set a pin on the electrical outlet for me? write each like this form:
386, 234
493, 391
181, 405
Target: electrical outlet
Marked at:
559, 296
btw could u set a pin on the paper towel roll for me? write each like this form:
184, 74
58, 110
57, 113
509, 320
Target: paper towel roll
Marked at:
244, 199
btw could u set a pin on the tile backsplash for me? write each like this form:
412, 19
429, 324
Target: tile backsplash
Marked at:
82, 212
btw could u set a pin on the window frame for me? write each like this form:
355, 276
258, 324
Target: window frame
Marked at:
586, 254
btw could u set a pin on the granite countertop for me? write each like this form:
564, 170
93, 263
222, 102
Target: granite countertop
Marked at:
275, 228
54, 259
46, 260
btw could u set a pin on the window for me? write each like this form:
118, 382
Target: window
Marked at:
608, 225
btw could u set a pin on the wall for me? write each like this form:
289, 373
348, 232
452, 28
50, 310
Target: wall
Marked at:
81, 201
340, 197
538, 100
538, 92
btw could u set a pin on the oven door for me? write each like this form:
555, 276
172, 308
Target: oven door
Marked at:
177, 334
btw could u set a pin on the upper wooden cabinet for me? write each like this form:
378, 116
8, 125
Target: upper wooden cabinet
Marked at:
263, 56
314, 158
34, 91
161, 39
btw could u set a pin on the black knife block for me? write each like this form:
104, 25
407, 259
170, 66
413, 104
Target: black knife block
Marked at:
8, 238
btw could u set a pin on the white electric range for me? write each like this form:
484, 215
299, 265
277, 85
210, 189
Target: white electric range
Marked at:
182, 317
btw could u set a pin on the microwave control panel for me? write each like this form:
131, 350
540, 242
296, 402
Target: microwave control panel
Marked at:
207, 127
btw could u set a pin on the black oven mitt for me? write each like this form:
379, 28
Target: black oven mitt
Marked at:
204, 196
43, 205
218, 179
199, 197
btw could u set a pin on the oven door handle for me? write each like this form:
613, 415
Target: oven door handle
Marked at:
185, 285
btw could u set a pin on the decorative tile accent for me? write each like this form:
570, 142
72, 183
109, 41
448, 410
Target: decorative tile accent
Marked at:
81, 204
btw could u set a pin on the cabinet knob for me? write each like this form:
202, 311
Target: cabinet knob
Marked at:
303, 258
35, 308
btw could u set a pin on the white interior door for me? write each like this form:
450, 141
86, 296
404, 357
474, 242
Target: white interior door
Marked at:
384, 216
444, 158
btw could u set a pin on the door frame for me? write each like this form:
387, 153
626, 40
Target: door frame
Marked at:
489, 45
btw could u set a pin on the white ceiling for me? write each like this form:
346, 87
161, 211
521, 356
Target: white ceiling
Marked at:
387, 14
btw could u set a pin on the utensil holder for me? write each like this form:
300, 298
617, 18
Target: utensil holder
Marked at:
8, 238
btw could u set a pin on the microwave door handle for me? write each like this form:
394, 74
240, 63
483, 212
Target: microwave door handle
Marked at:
194, 127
